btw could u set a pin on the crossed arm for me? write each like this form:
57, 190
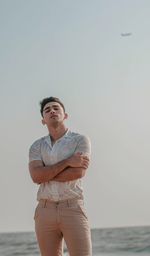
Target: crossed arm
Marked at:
68, 169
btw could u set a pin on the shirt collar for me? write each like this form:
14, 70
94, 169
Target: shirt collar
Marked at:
65, 136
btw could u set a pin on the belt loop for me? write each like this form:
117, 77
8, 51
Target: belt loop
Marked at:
45, 201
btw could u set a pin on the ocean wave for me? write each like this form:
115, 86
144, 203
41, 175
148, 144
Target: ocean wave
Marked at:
114, 241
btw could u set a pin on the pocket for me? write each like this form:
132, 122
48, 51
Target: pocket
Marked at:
83, 211
36, 213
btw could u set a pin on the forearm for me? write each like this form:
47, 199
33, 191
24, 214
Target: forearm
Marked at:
69, 174
42, 174
71, 168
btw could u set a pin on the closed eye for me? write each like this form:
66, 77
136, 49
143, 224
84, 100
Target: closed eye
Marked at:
49, 109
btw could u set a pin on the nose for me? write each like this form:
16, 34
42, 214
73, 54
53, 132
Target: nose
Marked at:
52, 111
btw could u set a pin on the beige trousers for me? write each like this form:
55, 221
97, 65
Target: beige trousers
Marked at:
57, 220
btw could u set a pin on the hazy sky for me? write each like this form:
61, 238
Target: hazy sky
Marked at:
74, 50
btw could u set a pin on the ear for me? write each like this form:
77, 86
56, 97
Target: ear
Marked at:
66, 116
43, 122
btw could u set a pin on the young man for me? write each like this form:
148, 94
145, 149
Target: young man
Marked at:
58, 162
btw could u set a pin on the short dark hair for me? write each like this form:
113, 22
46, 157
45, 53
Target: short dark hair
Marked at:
50, 99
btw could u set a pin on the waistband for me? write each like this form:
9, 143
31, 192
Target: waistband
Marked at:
67, 202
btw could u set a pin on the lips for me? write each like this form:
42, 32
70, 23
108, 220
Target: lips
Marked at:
53, 116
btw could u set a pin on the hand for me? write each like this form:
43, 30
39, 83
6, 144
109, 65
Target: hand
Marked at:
79, 160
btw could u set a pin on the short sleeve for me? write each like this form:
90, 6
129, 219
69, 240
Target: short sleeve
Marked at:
35, 151
84, 145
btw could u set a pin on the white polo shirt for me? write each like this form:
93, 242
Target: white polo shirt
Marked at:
49, 154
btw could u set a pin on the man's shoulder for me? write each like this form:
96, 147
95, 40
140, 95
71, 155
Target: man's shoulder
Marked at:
82, 143
39, 141
78, 136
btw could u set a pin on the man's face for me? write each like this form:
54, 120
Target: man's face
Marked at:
53, 113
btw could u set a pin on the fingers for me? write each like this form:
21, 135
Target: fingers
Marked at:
85, 163
79, 160
81, 154
83, 159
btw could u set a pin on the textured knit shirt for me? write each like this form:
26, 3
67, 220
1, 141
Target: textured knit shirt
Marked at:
42, 149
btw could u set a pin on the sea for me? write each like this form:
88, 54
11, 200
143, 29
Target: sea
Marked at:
126, 241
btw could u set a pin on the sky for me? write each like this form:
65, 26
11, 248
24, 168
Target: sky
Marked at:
74, 50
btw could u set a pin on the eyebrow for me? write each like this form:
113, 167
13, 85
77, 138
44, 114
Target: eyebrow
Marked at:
49, 107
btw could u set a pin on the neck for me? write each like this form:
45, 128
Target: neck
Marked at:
57, 132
